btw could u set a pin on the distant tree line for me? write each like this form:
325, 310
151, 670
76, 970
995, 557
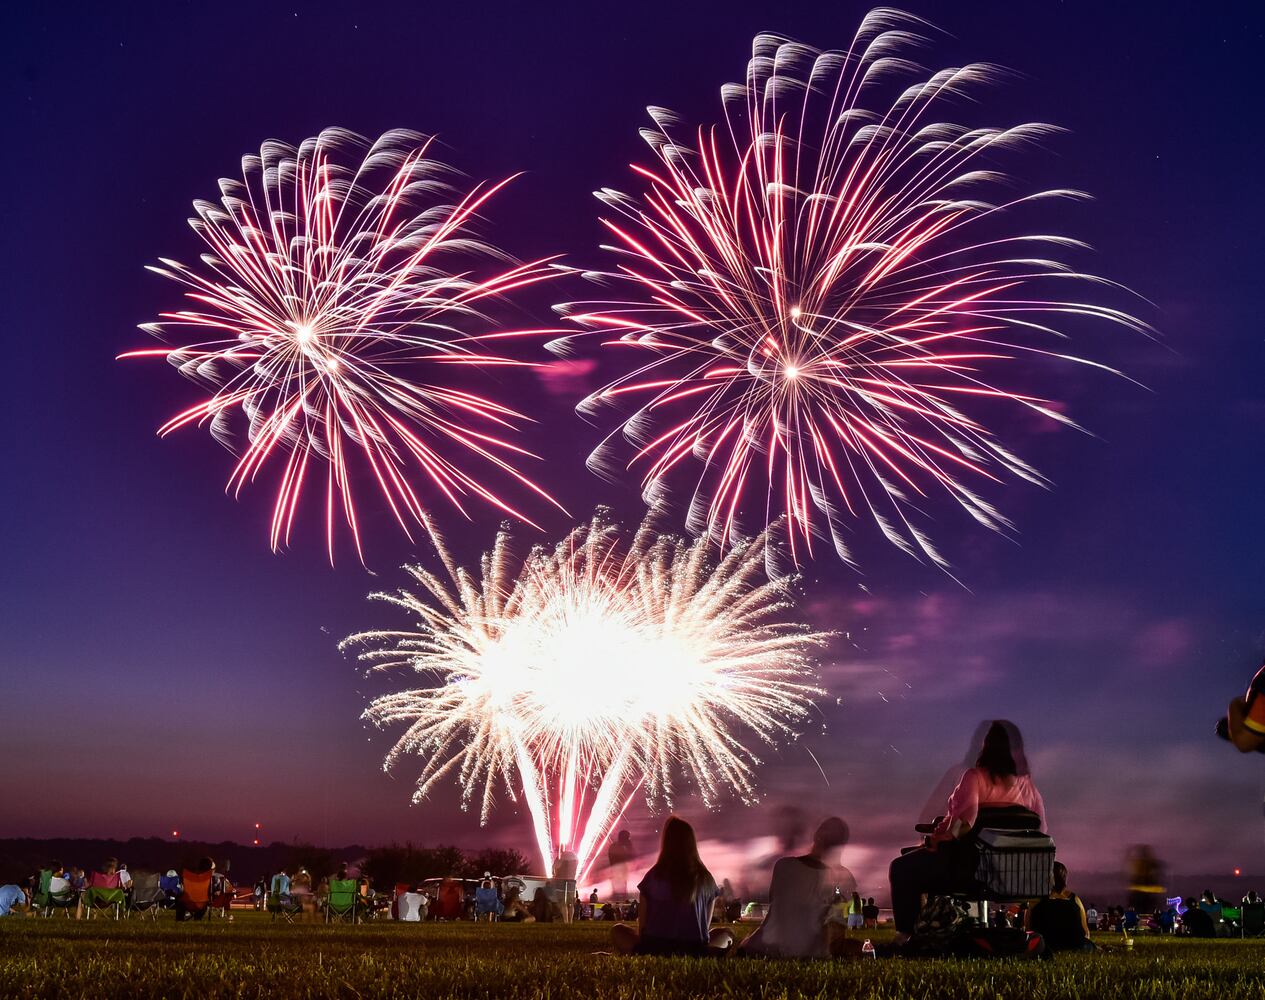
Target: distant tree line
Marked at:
409, 863
394, 863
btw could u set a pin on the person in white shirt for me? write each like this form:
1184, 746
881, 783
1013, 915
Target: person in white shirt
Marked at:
800, 898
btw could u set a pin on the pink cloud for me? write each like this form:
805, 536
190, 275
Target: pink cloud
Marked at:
569, 378
1164, 643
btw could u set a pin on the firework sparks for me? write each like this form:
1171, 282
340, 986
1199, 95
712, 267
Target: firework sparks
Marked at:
329, 318
822, 303
575, 674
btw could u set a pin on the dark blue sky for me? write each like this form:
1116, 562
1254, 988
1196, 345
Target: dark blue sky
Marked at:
149, 642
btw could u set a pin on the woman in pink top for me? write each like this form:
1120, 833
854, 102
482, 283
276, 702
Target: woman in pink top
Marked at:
999, 780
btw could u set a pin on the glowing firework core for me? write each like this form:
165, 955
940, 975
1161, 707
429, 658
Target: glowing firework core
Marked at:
581, 673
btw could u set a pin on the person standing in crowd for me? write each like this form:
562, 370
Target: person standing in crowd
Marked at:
620, 856
856, 919
870, 913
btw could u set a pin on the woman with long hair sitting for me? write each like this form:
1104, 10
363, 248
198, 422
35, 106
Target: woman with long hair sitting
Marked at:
999, 780
674, 912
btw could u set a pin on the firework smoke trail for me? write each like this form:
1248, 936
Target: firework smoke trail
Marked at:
824, 301
582, 672
334, 295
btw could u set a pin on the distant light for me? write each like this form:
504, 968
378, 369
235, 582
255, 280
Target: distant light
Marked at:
256, 841
1238, 872
175, 833
256, 826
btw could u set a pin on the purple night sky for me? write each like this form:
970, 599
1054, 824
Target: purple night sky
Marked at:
161, 668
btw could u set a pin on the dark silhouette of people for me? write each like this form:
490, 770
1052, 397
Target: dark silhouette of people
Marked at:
619, 856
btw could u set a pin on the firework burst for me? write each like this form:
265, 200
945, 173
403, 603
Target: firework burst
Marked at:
821, 303
332, 307
579, 673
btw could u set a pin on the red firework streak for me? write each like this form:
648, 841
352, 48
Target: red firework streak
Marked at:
828, 299
333, 312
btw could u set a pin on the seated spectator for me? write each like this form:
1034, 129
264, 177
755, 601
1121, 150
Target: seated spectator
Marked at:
222, 892
800, 897
1129, 921
59, 883
103, 888
1060, 918
946, 864
1210, 905
280, 885
449, 900
411, 905
1196, 922
515, 910
487, 902
1253, 915
1091, 917
301, 893
676, 897
125, 877
170, 885
78, 879
195, 891
542, 907
1166, 919
13, 901
52, 887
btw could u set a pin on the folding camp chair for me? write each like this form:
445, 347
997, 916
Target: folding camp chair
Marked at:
1253, 922
195, 894
281, 905
222, 895
342, 901
54, 893
148, 897
40, 899
1232, 917
98, 898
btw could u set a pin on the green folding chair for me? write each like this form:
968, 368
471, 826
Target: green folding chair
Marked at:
281, 905
341, 903
46, 901
104, 899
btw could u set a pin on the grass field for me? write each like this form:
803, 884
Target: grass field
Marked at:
252, 957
